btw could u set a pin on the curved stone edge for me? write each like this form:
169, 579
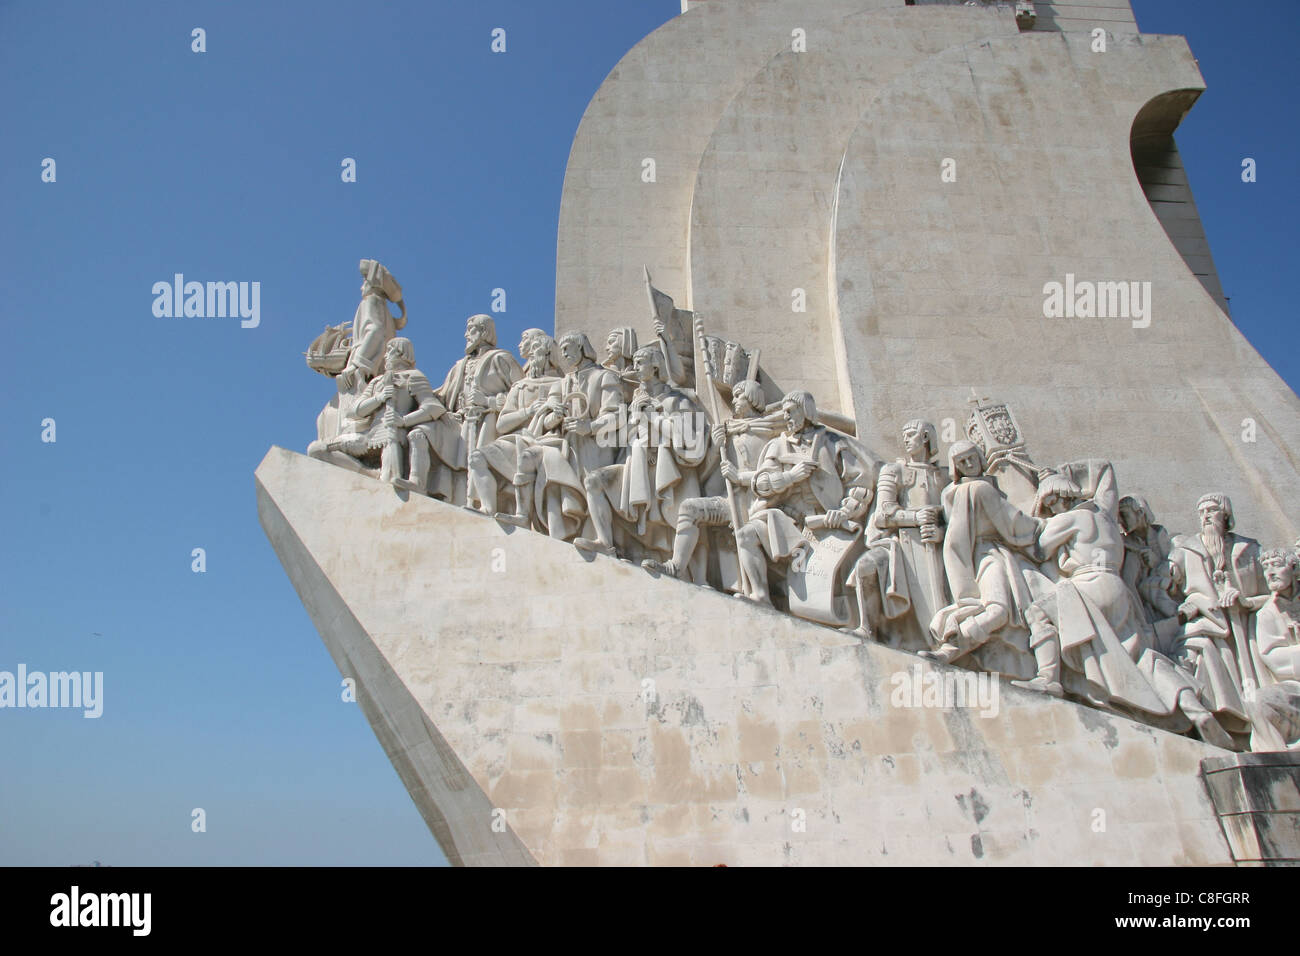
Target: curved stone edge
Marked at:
537, 701
765, 189
1142, 398
662, 100
453, 806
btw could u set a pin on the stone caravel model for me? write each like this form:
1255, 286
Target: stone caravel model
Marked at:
551, 703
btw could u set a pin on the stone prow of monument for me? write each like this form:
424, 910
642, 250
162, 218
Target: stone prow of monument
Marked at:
677, 725
820, 171
914, 176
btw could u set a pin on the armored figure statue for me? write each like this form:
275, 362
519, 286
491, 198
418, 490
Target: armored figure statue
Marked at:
518, 423
391, 407
620, 347
984, 557
902, 569
667, 445
1276, 713
805, 473
474, 392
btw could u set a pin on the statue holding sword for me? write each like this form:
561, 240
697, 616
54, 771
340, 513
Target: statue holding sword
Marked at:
900, 580
474, 393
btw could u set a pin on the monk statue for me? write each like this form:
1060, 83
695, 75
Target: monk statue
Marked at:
1218, 574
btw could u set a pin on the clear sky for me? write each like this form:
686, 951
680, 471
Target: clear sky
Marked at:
225, 166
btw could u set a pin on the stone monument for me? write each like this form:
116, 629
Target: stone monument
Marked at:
690, 606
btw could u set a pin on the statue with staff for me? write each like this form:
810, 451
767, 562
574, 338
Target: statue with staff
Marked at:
744, 433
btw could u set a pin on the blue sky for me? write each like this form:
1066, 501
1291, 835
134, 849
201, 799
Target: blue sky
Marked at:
224, 166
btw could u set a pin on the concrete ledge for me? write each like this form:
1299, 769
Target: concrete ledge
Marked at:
613, 717
454, 807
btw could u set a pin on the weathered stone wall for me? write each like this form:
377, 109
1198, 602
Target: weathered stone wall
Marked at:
940, 285
820, 170
663, 102
1257, 797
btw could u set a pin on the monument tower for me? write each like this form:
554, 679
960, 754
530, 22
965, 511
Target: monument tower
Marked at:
862, 210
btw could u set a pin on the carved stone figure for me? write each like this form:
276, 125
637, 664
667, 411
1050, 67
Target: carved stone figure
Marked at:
620, 346
808, 476
1146, 558
552, 369
391, 406
1276, 712
1091, 622
668, 442
373, 325
993, 427
580, 405
902, 569
948, 558
474, 392
1219, 573
518, 423
353, 353
984, 557
747, 435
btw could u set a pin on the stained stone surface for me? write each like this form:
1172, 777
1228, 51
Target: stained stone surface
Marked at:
620, 718
1257, 797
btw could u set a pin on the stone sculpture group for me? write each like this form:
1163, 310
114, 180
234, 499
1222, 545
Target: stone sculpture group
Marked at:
682, 456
